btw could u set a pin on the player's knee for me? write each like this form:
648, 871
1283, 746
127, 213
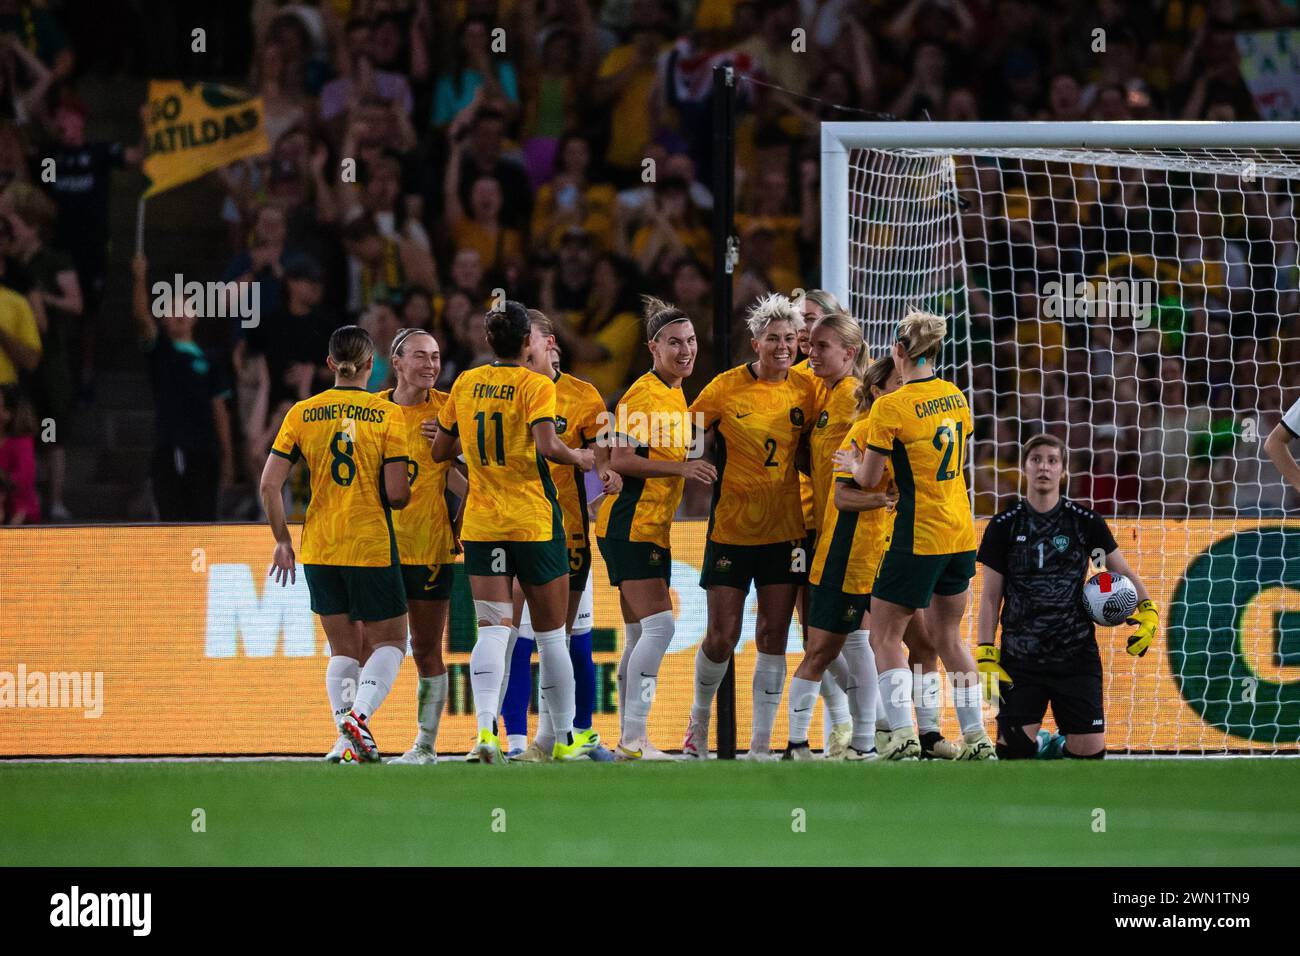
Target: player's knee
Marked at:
494, 613
1086, 750
1014, 744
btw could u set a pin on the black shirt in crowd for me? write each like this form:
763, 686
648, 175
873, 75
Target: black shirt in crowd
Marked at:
185, 380
1043, 559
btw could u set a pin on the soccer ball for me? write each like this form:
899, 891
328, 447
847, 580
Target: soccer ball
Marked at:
1110, 598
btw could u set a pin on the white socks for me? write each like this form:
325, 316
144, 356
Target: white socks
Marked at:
928, 701
863, 688
708, 675
487, 666
968, 701
377, 678
769, 682
631, 634
555, 684
803, 698
505, 675
431, 695
837, 702
642, 674
341, 677
896, 697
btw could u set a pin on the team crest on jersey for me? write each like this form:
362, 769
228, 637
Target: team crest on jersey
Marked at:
656, 558
823, 418
796, 417
1061, 542
561, 423
722, 564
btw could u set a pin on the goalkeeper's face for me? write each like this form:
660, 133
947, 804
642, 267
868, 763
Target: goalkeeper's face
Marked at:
1044, 469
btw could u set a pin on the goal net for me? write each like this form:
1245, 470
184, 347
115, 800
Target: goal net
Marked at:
1133, 289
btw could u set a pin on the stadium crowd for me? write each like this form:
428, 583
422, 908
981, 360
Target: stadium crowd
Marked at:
559, 150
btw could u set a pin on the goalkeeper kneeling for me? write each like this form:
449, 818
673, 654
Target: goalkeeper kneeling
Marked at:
1036, 556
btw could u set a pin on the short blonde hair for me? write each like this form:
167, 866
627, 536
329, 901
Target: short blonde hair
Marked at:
921, 334
770, 308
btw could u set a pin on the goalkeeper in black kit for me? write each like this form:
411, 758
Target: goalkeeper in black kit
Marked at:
1036, 556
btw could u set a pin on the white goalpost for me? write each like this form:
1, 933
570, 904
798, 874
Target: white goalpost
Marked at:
1134, 289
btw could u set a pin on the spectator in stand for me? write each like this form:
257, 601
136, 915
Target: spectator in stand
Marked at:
924, 95
482, 155
359, 76
80, 189
1105, 486
558, 72
13, 155
284, 103
482, 225
19, 503
30, 217
262, 263
192, 456
625, 90
772, 48
22, 102
602, 346
20, 337
37, 30
571, 199
475, 68
381, 322
468, 276
673, 229
379, 266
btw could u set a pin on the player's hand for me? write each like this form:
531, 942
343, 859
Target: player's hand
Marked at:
586, 458
848, 459
283, 565
429, 429
992, 673
612, 482
1146, 617
698, 470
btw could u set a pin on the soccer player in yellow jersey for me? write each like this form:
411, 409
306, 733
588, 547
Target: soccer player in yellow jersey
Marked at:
354, 444
426, 545
921, 430
853, 535
652, 442
760, 414
837, 356
504, 415
579, 415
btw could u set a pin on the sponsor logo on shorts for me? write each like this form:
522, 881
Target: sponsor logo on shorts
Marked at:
722, 564
656, 557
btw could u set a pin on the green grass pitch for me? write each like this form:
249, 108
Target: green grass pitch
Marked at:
1156, 812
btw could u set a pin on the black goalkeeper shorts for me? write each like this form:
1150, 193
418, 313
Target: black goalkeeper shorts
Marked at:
1075, 699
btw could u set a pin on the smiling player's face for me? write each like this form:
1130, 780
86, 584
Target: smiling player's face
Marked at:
776, 346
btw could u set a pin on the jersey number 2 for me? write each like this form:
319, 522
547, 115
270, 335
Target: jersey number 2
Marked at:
500, 456
945, 442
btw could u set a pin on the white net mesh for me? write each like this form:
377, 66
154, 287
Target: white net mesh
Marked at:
1142, 306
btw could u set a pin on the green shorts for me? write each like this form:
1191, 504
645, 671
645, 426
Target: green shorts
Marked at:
579, 568
532, 562
635, 560
739, 565
428, 582
830, 609
363, 594
911, 579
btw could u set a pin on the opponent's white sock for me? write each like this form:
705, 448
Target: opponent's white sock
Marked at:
928, 701
556, 681
431, 695
516, 741
643, 669
882, 715
342, 675
708, 675
505, 674
377, 678
896, 694
545, 736
863, 689
631, 634
769, 681
803, 697
968, 701
487, 665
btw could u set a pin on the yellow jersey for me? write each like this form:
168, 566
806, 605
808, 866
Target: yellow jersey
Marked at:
836, 415
423, 527
924, 427
652, 417
345, 435
579, 413
807, 499
851, 543
759, 426
511, 494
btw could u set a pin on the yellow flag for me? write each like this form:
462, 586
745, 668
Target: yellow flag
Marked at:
194, 128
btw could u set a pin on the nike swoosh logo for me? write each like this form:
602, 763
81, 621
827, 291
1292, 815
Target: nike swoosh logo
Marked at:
771, 692
744, 415
802, 710
644, 674
476, 673
552, 687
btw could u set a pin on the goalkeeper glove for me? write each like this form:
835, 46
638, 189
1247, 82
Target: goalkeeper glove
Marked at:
991, 671
1146, 617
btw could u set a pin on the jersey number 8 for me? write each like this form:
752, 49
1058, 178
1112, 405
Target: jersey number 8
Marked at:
343, 468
